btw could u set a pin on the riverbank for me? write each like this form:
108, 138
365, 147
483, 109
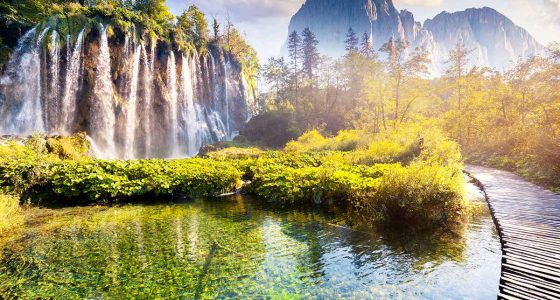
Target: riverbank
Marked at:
409, 178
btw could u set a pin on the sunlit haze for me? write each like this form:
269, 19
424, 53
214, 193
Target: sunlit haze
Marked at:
265, 22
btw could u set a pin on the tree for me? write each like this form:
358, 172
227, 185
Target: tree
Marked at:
275, 73
402, 69
294, 52
351, 42
193, 23
216, 27
366, 46
310, 54
457, 62
155, 9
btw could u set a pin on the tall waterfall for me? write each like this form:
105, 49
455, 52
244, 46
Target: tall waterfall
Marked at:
188, 110
72, 83
102, 121
172, 92
147, 116
132, 106
52, 103
134, 97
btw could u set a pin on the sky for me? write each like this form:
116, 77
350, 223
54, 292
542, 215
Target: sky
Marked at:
265, 22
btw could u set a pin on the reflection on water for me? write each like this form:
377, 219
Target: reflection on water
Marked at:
238, 248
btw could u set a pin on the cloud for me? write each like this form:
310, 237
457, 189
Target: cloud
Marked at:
540, 17
420, 3
244, 10
552, 8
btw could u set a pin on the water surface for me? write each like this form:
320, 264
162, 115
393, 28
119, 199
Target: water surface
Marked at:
237, 247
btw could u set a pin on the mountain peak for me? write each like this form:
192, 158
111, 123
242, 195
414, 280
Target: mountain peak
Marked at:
497, 42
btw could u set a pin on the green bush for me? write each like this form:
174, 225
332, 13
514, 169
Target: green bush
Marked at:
406, 177
98, 180
419, 195
10, 213
271, 129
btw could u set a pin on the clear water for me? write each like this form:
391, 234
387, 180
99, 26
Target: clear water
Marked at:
238, 248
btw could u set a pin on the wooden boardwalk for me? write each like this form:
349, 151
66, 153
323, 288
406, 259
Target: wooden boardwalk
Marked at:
528, 221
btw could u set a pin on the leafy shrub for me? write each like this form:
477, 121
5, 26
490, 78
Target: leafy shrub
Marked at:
311, 140
406, 177
271, 129
72, 147
419, 195
115, 180
10, 213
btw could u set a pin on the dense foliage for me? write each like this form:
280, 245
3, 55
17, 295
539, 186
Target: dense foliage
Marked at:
37, 174
271, 129
410, 176
151, 20
508, 118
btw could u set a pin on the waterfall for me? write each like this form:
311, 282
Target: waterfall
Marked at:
147, 117
225, 93
103, 113
118, 91
131, 113
71, 87
172, 92
189, 114
22, 82
52, 115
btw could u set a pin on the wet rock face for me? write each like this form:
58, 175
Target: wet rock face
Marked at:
496, 40
134, 97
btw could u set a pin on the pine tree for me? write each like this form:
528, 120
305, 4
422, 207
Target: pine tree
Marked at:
216, 27
294, 52
351, 42
457, 66
310, 53
366, 46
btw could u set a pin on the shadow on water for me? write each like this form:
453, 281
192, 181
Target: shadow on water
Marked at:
239, 247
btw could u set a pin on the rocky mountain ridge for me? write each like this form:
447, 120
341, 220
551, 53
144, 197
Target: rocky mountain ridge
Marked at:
495, 40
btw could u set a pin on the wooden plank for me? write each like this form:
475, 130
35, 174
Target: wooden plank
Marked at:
531, 259
531, 265
529, 290
528, 221
554, 290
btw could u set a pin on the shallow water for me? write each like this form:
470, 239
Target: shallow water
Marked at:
234, 248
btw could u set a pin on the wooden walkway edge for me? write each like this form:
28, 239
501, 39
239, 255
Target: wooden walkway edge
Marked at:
528, 221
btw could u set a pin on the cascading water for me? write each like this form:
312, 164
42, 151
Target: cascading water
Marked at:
51, 113
173, 98
147, 117
188, 110
102, 121
131, 113
72, 83
22, 81
225, 102
126, 94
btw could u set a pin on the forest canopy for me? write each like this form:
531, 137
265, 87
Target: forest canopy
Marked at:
508, 119
151, 18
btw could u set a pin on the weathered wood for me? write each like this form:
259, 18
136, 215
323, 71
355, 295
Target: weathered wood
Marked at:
528, 221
